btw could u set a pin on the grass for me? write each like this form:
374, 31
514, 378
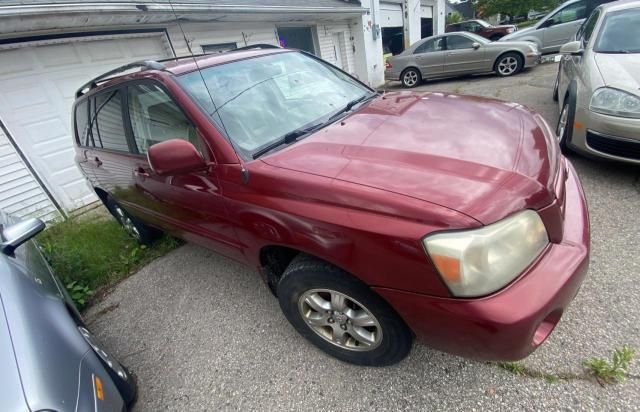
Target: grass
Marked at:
601, 369
90, 255
614, 371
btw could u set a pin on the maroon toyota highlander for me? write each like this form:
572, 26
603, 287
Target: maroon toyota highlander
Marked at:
374, 218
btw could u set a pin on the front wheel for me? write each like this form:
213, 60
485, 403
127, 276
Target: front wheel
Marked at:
411, 78
137, 229
509, 64
564, 130
341, 315
556, 87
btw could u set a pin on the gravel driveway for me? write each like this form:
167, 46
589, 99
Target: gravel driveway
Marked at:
203, 333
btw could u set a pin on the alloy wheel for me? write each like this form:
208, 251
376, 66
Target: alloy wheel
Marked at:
128, 224
340, 319
410, 78
508, 66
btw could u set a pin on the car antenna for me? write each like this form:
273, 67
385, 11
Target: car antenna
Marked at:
243, 170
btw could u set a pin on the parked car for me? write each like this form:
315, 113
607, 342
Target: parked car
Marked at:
373, 217
482, 28
457, 54
50, 361
598, 85
558, 27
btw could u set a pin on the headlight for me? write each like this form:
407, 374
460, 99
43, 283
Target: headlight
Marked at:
510, 30
533, 48
615, 102
480, 261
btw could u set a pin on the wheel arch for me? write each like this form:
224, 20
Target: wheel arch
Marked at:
275, 258
515, 51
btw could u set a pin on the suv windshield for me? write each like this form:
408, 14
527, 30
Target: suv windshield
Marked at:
262, 101
620, 33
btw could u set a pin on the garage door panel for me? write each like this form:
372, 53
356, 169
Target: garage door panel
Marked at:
15, 62
36, 103
57, 56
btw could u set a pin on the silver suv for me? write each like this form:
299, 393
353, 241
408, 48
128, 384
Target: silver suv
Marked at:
557, 27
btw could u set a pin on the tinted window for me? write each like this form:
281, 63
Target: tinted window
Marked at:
430, 46
107, 127
459, 42
156, 118
570, 13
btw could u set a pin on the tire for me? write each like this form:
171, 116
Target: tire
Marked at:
508, 64
143, 234
556, 86
564, 130
411, 77
341, 315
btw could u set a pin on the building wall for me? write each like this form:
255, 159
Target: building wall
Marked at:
20, 193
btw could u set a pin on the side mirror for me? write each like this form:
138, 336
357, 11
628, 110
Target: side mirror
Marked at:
573, 48
475, 45
175, 156
17, 233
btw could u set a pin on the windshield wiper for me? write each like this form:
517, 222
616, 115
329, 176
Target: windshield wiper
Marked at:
288, 138
347, 107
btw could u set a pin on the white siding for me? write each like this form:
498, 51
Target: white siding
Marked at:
242, 34
325, 41
20, 193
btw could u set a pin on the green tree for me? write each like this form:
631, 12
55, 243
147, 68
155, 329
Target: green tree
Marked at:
454, 17
512, 7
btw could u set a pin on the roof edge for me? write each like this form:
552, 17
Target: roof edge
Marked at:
127, 7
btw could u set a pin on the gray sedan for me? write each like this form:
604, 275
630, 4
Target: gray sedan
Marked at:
459, 53
48, 359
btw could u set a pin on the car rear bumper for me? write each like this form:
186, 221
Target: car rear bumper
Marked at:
610, 137
513, 322
391, 75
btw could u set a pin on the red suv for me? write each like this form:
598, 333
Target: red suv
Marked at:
373, 217
482, 28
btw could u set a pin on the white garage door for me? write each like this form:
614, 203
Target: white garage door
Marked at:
390, 14
38, 84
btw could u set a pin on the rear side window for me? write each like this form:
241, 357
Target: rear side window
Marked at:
459, 42
155, 117
430, 46
106, 124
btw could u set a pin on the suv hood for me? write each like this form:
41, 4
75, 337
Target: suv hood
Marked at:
620, 70
484, 158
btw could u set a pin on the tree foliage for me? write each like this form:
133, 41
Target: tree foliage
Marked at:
454, 17
512, 7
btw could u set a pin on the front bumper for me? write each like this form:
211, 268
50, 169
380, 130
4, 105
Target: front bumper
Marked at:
513, 322
532, 60
608, 128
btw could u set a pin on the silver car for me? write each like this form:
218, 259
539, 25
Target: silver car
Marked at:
48, 359
557, 27
598, 85
456, 54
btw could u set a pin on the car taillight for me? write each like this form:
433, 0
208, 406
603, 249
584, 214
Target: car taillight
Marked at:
387, 64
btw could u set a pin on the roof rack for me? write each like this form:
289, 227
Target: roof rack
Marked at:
157, 65
147, 64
